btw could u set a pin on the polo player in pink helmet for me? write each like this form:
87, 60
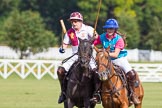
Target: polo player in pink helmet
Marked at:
78, 30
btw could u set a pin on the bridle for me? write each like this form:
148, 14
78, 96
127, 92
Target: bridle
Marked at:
108, 74
108, 66
83, 55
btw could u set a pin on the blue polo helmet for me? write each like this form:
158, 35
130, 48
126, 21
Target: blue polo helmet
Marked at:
111, 23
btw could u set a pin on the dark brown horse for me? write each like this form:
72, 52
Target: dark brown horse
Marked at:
114, 91
80, 78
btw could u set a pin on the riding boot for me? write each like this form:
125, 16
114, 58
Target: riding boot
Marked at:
132, 84
97, 85
62, 79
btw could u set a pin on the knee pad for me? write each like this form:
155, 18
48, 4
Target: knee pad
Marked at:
131, 75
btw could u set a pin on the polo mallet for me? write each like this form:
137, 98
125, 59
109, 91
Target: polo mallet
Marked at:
99, 6
63, 30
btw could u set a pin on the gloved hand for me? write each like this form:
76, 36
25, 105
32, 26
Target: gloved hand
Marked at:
61, 50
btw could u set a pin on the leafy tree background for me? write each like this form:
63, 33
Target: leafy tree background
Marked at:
27, 31
140, 20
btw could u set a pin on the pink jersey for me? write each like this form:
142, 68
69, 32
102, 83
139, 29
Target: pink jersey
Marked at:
119, 44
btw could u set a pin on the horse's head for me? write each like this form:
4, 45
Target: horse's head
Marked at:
103, 62
85, 52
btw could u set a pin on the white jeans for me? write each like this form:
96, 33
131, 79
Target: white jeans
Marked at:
123, 63
69, 63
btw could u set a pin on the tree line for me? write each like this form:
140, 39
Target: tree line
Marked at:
34, 24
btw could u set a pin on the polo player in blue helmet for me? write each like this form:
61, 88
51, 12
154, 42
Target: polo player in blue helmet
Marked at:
111, 38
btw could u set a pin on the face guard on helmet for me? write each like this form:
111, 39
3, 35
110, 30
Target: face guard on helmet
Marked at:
111, 23
76, 16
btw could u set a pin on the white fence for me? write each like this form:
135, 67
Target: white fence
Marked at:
39, 68
25, 67
53, 53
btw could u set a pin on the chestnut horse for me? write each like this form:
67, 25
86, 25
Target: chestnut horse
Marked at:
114, 90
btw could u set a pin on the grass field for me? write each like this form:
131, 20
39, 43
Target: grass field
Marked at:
32, 93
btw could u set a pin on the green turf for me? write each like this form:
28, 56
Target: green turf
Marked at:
32, 93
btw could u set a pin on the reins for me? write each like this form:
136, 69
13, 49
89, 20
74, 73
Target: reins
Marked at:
109, 69
68, 58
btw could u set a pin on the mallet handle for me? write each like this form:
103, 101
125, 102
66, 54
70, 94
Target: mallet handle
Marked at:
63, 26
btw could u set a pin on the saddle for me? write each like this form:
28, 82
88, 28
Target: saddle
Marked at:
121, 73
123, 78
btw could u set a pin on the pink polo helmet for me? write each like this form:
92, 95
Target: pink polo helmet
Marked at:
76, 15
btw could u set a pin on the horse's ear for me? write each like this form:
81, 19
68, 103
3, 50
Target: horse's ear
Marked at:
79, 39
96, 49
92, 39
108, 49
106, 52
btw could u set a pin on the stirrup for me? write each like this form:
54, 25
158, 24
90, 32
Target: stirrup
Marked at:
96, 98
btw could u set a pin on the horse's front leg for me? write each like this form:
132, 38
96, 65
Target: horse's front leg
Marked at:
65, 104
70, 104
87, 103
